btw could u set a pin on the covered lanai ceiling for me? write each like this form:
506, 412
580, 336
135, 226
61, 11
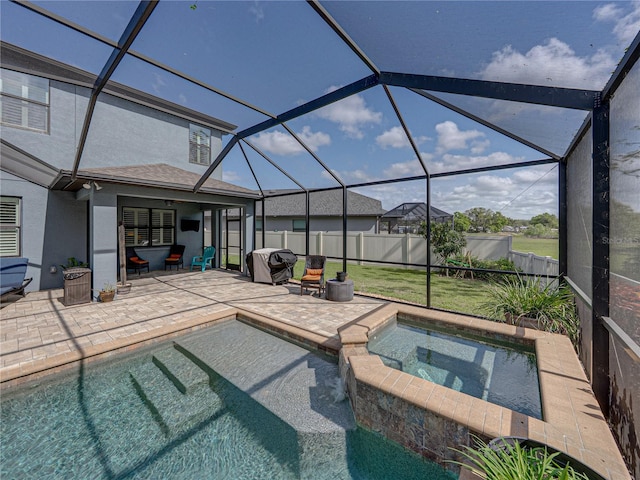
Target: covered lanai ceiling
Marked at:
327, 94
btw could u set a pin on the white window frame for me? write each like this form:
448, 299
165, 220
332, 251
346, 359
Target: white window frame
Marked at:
199, 145
26, 103
10, 226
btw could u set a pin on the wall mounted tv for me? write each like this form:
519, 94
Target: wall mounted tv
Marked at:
187, 225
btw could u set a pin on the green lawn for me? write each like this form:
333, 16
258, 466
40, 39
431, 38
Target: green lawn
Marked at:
540, 246
409, 285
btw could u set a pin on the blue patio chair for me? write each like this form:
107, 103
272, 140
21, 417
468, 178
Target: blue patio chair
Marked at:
203, 260
12, 272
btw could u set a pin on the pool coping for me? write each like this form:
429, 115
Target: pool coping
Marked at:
15, 375
572, 420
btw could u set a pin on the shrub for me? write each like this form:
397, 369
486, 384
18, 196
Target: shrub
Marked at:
501, 264
551, 305
515, 462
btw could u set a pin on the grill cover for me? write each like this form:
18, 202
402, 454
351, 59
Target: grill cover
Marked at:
279, 264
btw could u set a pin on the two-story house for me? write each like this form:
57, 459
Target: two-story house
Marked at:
138, 167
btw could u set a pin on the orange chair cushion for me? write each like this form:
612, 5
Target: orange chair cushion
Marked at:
137, 260
314, 271
311, 278
175, 256
134, 259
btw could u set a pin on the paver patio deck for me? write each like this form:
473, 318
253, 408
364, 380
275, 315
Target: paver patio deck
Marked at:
39, 333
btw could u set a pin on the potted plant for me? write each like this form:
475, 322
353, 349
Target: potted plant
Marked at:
72, 262
534, 304
107, 293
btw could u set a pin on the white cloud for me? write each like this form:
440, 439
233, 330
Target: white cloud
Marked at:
553, 63
351, 114
537, 174
607, 13
410, 168
450, 137
314, 140
396, 138
626, 27
281, 143
450, 162
350, 176
158, 83
257, 11
520, 194
479, 146
230, 176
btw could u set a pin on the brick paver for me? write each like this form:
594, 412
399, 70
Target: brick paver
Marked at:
39, 332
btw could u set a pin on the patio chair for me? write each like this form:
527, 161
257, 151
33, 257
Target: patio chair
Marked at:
176, 253
203, 260
12, 272
135, 262
313, 275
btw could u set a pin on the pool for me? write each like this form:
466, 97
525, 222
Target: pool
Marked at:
124, 419
498, 373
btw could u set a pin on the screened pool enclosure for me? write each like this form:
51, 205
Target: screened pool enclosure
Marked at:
354, 108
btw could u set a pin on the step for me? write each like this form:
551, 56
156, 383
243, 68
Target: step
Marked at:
185, 374
174, 411
298, 386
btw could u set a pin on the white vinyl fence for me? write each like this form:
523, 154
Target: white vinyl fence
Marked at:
400, 248
532, 263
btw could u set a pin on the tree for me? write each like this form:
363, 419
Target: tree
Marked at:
479, 218
497, 222
540, 231
445, 241
547, 219
461, 222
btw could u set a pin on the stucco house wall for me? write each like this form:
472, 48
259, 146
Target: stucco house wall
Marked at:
82, 223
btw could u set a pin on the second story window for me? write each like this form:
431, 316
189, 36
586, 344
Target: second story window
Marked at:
199, 145
24, 101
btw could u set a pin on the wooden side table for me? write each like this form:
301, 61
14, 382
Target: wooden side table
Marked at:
339, 291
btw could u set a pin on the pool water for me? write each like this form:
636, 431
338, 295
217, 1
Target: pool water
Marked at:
504, 375
95, 424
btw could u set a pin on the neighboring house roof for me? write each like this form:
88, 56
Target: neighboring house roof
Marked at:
414, 211
25, 61
324, 203
163, 176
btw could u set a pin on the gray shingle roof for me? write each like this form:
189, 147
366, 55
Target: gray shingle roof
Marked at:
164, 176
325, 203
414, 211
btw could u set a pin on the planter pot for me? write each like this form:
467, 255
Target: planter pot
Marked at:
107, 296
124, 289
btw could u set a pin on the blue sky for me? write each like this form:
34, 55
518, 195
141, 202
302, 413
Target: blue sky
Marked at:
277, 55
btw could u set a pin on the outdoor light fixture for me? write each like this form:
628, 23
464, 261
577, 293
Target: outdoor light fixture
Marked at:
87, 185
168, 203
